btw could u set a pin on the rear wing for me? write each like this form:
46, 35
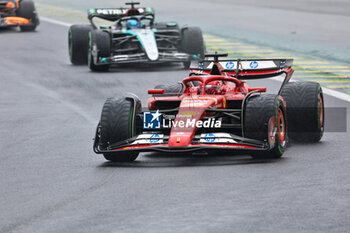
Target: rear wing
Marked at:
114, 14
243, 69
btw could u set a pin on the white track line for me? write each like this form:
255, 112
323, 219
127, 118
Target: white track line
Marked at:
336, 94
328, 91
55, 21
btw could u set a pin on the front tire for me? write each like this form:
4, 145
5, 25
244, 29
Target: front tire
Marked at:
99, 48
265, 120
117, 124
78, 43
27, 10
192, 43
305, 111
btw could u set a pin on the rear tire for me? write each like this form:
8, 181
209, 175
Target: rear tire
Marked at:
305, 111
99, 47
263, 115
192, 43
78, 43
117, 125
27, 10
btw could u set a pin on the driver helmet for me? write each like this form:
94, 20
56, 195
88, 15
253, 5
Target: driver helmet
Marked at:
132, 23
214, 85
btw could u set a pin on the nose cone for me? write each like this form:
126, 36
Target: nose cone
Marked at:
180, 139
149, 44
185, 124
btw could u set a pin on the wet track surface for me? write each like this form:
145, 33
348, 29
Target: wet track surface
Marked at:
51, 181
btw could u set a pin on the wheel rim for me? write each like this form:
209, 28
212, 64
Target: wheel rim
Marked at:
281, 126
272, 130
320, 111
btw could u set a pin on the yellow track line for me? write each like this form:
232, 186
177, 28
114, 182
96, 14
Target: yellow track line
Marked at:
321, 76
322, 71
310, 62
254, 51
307, 67
277, 55
338, 86
214, 47
251, 50
331, 81
321, 67
228, 43
303, 58
219, 40
239, 47
209, 36
258, 53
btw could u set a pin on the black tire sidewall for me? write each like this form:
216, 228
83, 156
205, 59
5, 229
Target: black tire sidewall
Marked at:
117, 125
192, 41
303, 111
27, 10
258, 111
78, 43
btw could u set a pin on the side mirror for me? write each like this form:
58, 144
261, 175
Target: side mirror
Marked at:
156, 91
259, 89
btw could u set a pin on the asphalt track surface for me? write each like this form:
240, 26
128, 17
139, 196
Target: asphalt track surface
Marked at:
51, 181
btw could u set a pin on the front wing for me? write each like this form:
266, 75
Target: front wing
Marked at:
13, 21
203, 142
142, 58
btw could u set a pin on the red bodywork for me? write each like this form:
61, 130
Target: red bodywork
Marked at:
208, 89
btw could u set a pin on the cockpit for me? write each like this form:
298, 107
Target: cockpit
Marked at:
134, 22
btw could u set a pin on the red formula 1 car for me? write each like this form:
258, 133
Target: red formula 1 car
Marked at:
22, 13
215, 109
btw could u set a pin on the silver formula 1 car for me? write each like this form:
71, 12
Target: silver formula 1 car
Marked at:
132, 37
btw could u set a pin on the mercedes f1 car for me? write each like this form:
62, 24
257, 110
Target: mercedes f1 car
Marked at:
215, 109
132, 37
22, 13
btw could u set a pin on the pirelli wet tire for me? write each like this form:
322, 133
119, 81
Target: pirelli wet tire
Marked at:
99, 50
192, 43
305, 111
27, 10
78, 44
265, 120
117, 124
